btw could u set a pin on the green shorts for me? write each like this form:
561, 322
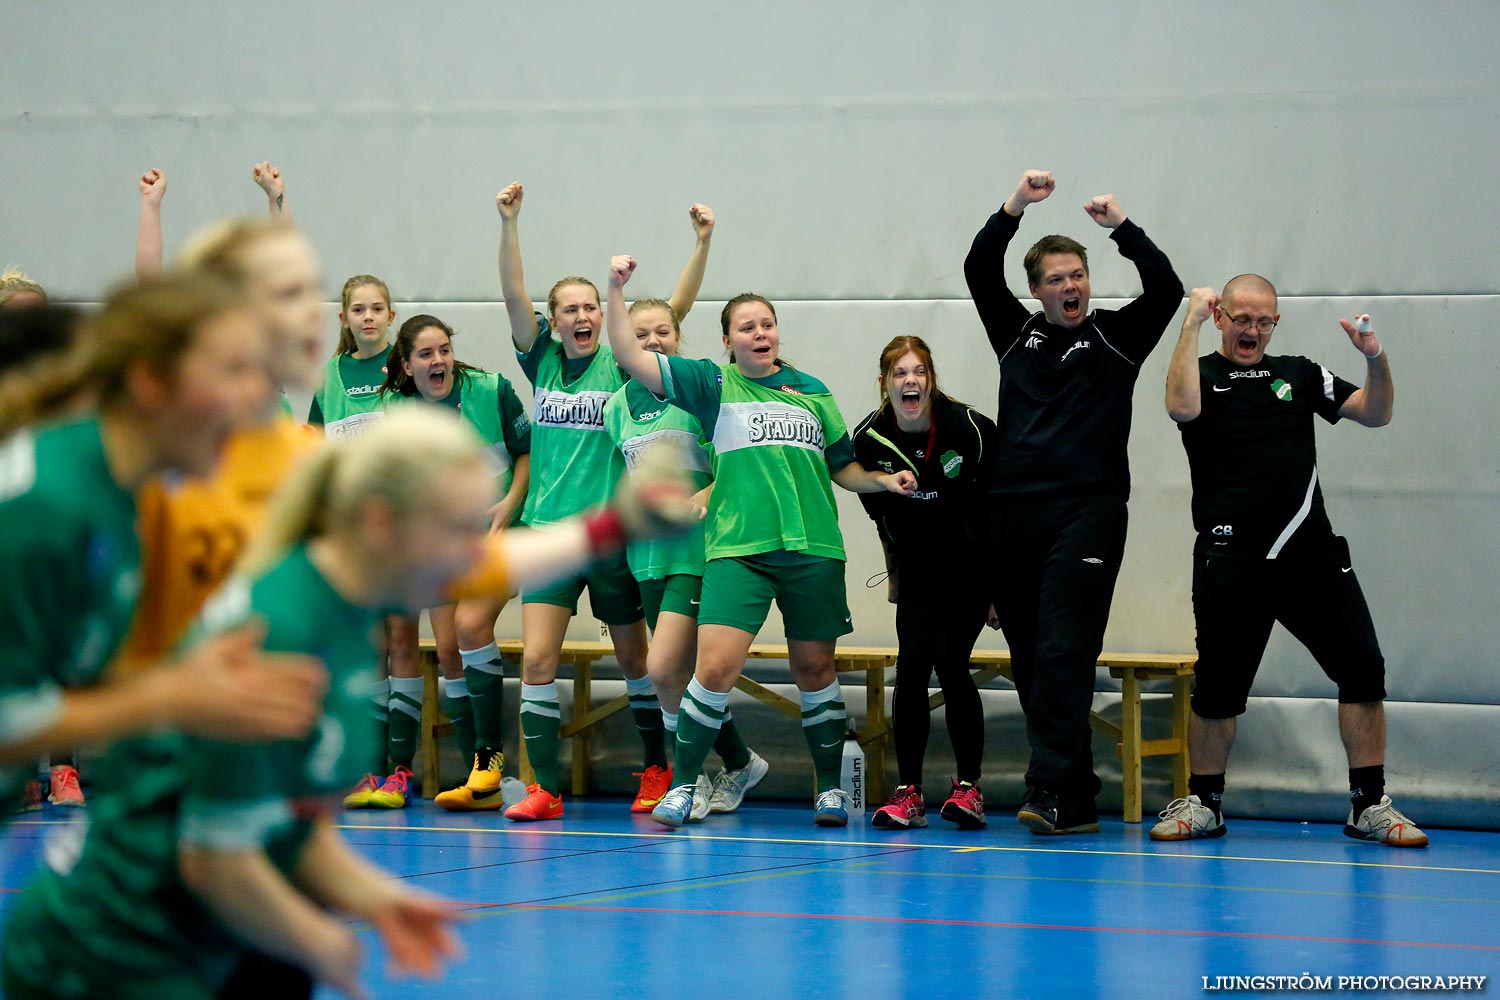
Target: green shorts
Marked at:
677, 593
613, 593
809, 590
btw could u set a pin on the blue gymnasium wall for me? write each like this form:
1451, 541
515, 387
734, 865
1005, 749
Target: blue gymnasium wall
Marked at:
851, 150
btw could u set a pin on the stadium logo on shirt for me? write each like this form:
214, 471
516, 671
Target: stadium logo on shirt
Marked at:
952, 462
1282, 389
364, 390
758, 423
1076, 345
582, 411
1258, 373
786, 427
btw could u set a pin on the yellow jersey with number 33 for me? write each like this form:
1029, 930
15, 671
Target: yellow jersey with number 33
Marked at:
193, 531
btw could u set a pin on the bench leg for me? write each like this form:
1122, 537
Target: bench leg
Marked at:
427, 728
583, 672
1130, 740
1182, 689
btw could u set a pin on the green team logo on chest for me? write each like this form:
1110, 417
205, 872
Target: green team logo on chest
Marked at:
952, 462
582, 411
1283, 390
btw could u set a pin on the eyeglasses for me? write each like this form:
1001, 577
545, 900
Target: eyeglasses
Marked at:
1263, 325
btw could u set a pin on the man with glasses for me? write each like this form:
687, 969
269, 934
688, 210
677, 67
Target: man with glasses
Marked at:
1265, 550
1057, 497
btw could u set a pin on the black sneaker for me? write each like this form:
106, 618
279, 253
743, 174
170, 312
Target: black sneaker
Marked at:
1047, 814
1079, 815
1038, 813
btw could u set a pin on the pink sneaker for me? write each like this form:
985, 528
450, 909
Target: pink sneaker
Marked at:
906, 808
65, 790
31, 797
965, 806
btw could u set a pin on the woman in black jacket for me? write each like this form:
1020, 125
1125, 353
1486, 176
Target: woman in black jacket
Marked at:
933, 543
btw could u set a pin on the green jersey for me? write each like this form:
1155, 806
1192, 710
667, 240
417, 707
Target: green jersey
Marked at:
115, 917
349, 398
69, 574
574, 465
638, 422
775, 441
488, 403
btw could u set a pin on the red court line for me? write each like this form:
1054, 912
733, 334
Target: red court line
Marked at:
997, 924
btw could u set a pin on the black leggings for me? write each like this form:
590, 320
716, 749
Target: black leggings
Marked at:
937, 622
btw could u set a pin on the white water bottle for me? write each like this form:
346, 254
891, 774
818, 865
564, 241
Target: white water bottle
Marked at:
852, 776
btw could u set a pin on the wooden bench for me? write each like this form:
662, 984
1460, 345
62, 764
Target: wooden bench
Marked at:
1131, 669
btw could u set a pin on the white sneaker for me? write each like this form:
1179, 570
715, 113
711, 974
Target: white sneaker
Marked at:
1188, 819
730, 786
702, 793
674, 807
1384, 824
831, 808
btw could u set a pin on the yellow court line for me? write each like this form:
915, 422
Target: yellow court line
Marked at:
679, 836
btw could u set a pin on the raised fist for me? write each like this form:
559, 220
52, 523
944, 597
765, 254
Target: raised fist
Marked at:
621, 267
703, 220
1103, 209
509, 201
1201, 305
1034, 186
153, 186
269, 179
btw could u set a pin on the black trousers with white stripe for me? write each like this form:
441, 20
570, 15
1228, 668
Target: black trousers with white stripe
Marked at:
1054, 562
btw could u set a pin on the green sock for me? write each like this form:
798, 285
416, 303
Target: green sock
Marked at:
406, 718
647, 711
730, 746
457, 705
823, 722
380, 702
698, 723
541, 718
486, 677
669, 724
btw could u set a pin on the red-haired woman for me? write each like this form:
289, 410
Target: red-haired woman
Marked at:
932, 540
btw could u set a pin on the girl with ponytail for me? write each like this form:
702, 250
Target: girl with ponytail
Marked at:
175, 369
221, 869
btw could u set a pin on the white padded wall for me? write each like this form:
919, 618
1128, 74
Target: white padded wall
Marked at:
1344, 149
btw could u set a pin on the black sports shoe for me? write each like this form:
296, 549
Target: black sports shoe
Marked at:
1049, 814
1038, 813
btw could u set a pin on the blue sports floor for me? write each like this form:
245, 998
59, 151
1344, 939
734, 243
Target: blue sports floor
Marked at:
762, 905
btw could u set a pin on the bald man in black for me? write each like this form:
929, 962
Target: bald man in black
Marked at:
1265, 550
